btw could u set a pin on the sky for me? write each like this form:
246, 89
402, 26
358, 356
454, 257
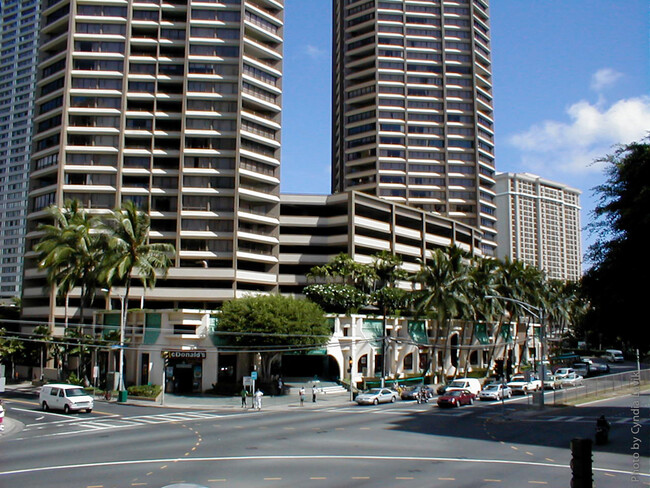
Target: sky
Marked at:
571, 79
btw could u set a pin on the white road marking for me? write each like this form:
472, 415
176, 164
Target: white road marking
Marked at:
294, 458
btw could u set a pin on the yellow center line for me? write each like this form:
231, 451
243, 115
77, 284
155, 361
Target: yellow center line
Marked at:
538, 482
610, 475
550, 460
514, 447
272, 479
403, 477
361, 477
318, 478
529, 453
217, 480
488, 480
447, 479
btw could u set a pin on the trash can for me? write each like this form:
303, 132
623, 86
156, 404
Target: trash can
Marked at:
121, 396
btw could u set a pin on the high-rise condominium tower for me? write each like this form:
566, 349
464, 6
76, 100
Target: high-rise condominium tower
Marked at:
18, 53
412, 107
539, 224
174, 105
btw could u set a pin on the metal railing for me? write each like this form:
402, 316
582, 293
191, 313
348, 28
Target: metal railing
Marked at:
601, 386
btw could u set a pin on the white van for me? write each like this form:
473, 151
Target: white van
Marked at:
65, 397
614, 356
471, 384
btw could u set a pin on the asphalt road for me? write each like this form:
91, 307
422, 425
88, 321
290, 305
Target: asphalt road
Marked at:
401, 444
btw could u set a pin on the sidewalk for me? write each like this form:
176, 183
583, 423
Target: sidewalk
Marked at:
212, 402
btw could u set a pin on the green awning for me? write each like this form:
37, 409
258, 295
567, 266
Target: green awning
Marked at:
373, 329
480, 331
418, 331
151, 328
506, 332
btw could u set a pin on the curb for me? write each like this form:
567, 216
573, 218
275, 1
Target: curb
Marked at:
12, 427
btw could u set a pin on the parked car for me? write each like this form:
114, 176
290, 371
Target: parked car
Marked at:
471, 384
581, 368
376, 395
598, 367
561, 373
522, 384
572, 379
614, 356
413, 392
495, 391
551, 382
456, 398
68, 398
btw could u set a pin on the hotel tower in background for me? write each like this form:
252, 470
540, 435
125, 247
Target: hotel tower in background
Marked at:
412, 106
19, 21
539, 224
174, 105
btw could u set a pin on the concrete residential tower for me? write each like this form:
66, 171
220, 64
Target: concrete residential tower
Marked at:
19, 23
412, 106
174, 105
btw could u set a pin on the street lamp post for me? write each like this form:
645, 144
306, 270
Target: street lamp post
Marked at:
120, 386
538, 313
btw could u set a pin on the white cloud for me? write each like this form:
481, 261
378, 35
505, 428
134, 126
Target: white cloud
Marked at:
314, 52
604, 78
553, 147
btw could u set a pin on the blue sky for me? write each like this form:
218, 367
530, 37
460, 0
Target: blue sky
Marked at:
570, 80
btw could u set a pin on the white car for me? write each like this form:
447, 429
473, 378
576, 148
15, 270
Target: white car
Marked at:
495, 391
563, 373
521, 384
572, 379
68, 398
376, 395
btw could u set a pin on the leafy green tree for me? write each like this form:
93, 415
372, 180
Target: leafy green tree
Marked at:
336, 297
621, 222
347, 286
273, 324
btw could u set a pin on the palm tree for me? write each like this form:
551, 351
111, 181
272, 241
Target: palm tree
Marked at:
129, 253
483, 275
443, 291
70, 251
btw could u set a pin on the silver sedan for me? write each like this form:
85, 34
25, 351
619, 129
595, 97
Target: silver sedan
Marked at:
376, 395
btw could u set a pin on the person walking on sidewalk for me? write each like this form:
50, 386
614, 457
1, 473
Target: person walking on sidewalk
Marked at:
301, 394
313, 394
258, 399
2, 416
244, 393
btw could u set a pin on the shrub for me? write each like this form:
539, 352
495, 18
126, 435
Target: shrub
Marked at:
146, 391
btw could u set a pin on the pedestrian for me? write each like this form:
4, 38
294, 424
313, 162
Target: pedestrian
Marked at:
243, 397
313, 394
2, 416
258, 399
301, 394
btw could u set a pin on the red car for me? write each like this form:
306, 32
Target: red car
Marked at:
456, 398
